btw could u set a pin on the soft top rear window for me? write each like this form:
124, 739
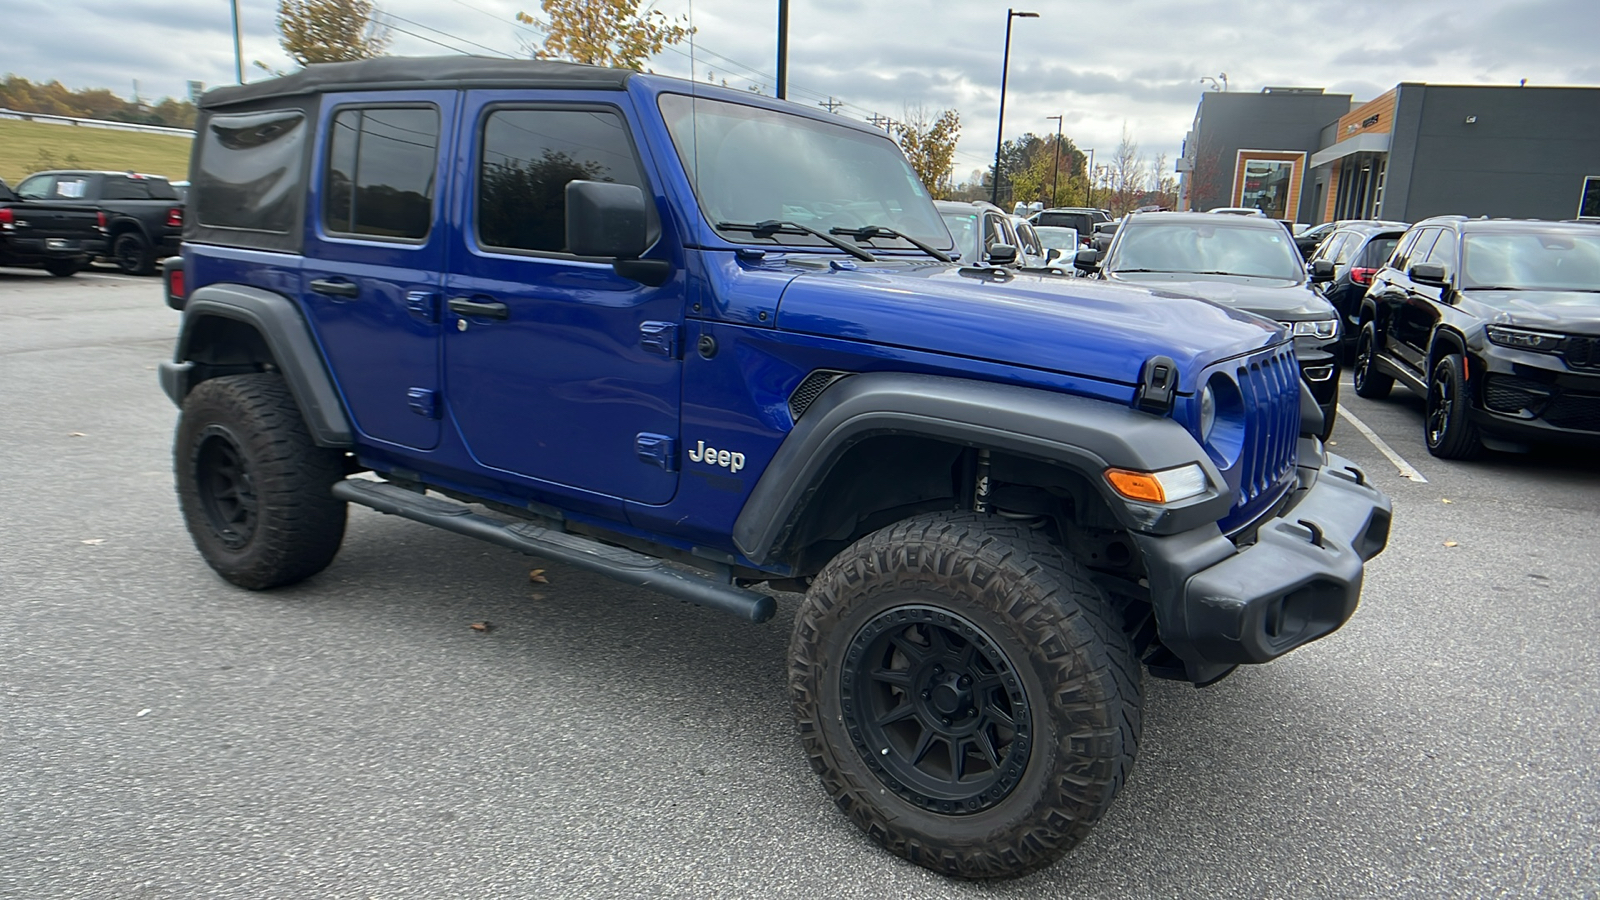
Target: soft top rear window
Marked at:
250, 171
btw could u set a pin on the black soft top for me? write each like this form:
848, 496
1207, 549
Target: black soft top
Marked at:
398, 72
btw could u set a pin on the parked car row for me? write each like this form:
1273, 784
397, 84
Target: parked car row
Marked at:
142, 214
59, 238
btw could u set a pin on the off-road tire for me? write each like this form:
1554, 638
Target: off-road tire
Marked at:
133, 254
1369, 382
1446, 426
1075, 666
255, 490
63, 268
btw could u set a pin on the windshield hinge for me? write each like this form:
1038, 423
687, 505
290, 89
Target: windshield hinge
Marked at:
1157, 384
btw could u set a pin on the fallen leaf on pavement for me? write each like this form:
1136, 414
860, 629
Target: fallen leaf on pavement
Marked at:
1444, 500
1450, 543
94, 541
77, 434
482, 627
537, 577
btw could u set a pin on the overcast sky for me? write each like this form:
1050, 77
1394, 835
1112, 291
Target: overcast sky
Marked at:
1104, 65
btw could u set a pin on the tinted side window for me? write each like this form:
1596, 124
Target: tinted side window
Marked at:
250, 172
1404, 253
1444, 250
1419, 250
35, 188
1346, 249
526, 160
1378, 250
121, 187
1330, 247
380, 175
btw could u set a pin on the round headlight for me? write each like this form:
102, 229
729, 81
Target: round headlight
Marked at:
1208, 413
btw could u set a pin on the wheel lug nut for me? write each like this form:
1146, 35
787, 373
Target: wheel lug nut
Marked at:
966, 681
945, 720
927, 694
938, 669
972, 712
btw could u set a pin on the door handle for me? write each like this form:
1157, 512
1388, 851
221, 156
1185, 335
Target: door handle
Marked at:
461, 306
335, 288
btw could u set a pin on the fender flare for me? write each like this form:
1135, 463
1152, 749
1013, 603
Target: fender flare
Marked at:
279, 322
1078, 433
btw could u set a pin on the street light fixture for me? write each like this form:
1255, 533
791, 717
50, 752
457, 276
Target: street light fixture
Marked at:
1055, 169
1005, 65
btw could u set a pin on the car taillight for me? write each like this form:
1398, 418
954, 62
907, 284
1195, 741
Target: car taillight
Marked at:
1361, 275
175, 217
175, 283
101, 221
8, 220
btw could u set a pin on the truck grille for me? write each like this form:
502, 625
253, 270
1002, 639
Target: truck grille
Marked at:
1582, 352
1270, 383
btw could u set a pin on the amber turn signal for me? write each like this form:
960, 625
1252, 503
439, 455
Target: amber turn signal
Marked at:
1136, 485
1165, 486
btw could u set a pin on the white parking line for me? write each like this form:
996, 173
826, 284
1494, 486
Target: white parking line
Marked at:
1406, 469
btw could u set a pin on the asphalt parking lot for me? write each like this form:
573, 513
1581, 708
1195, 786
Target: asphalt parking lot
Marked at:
164, 734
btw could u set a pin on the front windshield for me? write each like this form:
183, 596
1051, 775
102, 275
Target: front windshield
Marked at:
1193, 247
751, 165
1055, 238
1531, 261
964, 227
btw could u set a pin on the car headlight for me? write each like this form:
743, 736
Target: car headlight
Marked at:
1522, 339
1208, 413
1315, 328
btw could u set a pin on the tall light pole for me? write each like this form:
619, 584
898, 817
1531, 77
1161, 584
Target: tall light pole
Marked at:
238, 51
1057, 167
783, 49
1088, 180
1005, 65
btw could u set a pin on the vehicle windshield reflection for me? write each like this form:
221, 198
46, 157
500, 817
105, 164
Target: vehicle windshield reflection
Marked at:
1208, 250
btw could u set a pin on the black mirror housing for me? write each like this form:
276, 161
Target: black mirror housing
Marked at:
605, 220
1086, 260
1429, 273
1322, 270
1002, 254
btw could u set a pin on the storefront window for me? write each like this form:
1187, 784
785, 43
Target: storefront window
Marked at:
1266, 185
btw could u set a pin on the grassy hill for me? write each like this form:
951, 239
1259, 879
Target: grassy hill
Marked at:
25, 147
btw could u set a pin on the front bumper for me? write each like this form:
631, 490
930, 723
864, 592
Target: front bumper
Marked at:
1219, 604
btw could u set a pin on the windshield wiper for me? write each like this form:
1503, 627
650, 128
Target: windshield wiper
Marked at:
772, 226
868, 232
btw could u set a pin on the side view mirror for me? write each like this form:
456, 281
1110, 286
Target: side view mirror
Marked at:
1051, 253
1429, 273
606, 220
1002, 254
1322, 270
1087, 260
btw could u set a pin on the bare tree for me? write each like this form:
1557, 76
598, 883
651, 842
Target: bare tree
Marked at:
1164, 183
1127, 174
1210, 180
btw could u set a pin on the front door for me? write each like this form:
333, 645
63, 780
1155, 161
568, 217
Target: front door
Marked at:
558, 368
374, 256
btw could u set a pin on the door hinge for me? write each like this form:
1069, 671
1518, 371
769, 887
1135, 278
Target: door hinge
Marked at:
660, 338
423, 401
658, 450
423, 304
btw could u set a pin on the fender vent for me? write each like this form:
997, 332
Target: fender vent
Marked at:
810, 388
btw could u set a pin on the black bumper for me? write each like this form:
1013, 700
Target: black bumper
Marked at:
1219, 604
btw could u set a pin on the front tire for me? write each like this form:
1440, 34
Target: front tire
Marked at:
255, 490
965, 694
1369, 382
1448, 428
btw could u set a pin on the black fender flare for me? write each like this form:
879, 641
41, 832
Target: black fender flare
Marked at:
121, 222
284, 330
1078, 433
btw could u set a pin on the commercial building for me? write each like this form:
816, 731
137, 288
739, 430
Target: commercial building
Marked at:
1418, 150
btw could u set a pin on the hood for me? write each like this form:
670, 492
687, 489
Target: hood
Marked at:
1275, 298
1073, 326
1570, 312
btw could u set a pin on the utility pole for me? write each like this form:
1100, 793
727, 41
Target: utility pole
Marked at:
238, 50
1088, 177
832, 105
881, 121
783, 50
1055, 169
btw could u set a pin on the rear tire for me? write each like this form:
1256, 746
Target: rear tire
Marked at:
912, 652
1369, 382
133, 254
255, 490
1448, 428
63, 268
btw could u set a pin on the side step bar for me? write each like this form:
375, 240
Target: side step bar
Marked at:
591, 556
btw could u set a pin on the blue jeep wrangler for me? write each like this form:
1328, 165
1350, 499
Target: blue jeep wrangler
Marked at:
700, 341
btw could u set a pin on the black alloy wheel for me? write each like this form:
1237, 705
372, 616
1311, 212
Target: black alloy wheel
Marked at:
225, 486
132, 254
1369, 382
1449, 432
936, 709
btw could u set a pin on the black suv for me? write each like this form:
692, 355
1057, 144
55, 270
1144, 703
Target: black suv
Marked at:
1357, 249
1248, 263
1497, 323
1082, 218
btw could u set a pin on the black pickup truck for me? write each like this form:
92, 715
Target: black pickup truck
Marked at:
59, 237
146, 216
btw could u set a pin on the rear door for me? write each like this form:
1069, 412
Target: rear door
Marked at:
559, 369
374, 256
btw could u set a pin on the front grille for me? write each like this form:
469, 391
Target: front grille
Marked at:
1580, 412
809, 389
1270, 383
1510, 394
1582, 352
